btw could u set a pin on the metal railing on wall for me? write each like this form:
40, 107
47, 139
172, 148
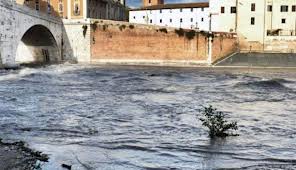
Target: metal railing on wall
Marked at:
280, 32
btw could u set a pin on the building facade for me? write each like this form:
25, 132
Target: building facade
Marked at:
188, 16
257, 22
106, 9
152, 2
79, 9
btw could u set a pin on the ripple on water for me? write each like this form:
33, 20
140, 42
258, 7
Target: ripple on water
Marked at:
147, 118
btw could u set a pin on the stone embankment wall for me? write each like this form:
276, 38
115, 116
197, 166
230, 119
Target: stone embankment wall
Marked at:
272, 44
224, 44
115, 42
76, 41
280, 44
126, 43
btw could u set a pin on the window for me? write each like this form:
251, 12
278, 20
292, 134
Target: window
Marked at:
191, 19
283, 20
160, 11
222, 9
191, 9
160, 20
181, 20
76, 7
253, 7
181, 9
151, 21
61, 7
233, 9
284, 8
253, 21
171, 20
202, 9
37, 5
48, 7
293, 8
170, 10
269, 8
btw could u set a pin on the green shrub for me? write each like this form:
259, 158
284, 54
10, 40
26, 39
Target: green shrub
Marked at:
190, 34
84, 27
94, 26
164, 30
122, 27
180, 32
215, 121
105, 27
131, 26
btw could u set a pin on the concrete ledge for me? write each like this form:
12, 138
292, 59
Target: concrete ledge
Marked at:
257, 60
177, 63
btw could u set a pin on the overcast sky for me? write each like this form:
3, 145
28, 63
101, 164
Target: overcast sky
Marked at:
138, 3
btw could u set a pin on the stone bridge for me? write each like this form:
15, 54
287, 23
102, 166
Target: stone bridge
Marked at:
27, 35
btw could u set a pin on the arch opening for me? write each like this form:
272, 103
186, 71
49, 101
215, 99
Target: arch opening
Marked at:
37, 46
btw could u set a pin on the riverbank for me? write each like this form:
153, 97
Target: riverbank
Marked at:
18, 156
226, 64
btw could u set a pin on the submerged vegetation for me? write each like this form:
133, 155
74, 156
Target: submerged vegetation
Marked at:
216, 122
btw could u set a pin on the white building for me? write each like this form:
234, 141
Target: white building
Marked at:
188, 16
255, 21
258, 23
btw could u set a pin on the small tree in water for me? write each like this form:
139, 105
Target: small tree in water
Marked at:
215, 121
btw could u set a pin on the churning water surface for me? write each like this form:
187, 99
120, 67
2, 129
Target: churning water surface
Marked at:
94, 117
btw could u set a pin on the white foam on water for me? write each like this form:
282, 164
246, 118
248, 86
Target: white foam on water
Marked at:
49, 70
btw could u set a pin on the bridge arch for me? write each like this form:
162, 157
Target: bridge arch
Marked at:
37, 45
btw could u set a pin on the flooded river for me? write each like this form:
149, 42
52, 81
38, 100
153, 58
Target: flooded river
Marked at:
94, 117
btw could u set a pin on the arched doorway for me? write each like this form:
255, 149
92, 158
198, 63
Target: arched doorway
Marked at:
37, 46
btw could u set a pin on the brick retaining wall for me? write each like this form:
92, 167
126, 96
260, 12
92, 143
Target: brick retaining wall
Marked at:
124, 42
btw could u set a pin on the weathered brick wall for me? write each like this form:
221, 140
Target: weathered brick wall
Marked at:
121, 41
224, 44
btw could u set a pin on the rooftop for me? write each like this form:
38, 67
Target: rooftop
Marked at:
174, 6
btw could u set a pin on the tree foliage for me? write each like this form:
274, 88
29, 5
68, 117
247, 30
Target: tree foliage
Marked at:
215, 121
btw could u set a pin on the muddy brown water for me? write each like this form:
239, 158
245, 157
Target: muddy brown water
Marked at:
115, 117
